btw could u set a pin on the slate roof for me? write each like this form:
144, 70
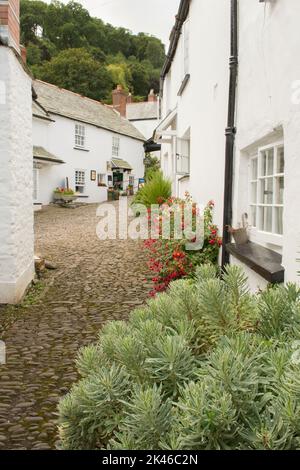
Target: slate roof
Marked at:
142, 111
39, 112
42, 154
74, 106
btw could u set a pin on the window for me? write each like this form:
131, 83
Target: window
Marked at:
186, 48
101, 179
79, 136
131, 180
266, 189
183, 157
115, 146
79, 181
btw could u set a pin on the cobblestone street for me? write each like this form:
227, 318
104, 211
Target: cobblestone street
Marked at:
96, 281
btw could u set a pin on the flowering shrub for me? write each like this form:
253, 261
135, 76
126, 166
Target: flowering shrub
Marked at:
64, 191
169, 259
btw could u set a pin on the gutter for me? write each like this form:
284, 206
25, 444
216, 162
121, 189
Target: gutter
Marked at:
230, 132
174, 39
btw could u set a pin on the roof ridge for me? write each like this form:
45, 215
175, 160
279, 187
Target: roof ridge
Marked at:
109, 107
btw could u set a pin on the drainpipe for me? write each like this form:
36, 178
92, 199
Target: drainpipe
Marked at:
230, 131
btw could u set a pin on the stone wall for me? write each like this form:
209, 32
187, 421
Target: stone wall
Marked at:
16, 213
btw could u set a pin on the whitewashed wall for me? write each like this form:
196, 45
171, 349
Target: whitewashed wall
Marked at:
203, 104
16, 214
269, 45
58, 138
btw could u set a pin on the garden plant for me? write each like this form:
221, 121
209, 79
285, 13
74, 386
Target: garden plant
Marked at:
205, 365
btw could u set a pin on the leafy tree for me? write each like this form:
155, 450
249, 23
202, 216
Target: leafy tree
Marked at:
152, 165
78, 71
48, 29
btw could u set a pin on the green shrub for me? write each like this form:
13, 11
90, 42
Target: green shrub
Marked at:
205, 365
155, 191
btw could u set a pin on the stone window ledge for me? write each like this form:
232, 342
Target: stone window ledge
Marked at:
265, 262
82, 149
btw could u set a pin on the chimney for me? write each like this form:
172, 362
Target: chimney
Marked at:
152, 96
119, 97
129, 98
10, 23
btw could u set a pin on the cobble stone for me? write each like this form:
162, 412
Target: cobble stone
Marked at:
95, 281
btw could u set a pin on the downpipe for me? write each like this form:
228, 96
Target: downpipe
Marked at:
230, 132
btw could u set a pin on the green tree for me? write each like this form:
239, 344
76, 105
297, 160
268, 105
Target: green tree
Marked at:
48, 29
78, 71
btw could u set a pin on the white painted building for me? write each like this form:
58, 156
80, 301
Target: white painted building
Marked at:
265, 159
16, 215
144, 115
82, 142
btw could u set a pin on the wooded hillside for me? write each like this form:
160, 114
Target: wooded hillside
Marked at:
71, 49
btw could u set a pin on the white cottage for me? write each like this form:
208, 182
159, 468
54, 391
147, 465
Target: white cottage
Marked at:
232, 134
84, 142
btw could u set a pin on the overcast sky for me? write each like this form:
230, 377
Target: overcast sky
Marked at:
149, 16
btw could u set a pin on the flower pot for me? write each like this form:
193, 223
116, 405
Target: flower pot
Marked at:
64, 197
240, 236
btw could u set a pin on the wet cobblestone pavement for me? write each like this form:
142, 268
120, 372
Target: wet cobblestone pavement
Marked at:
96, 281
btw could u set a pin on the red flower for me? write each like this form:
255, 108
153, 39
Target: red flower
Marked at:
212, 241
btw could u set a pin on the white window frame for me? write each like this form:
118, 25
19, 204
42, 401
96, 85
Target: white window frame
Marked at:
80, 180
183, 154
115, 146
102, 179
257, 231
80, 136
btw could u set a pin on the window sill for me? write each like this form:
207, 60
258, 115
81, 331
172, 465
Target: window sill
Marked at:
81, 148
265, 262
184, 84
82, 196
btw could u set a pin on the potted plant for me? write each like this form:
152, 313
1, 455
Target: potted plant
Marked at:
240, 234
64, 195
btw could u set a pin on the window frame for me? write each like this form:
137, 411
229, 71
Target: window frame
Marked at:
80, 136
79, 184
180, 144
115, 148
256, 231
